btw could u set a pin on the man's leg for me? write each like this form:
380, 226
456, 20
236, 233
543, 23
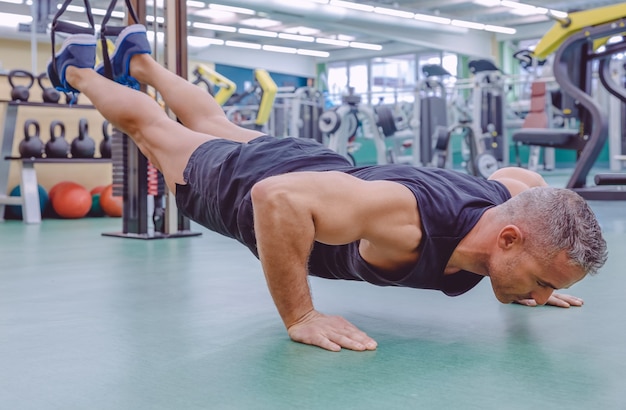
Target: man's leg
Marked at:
166, 143
193, 106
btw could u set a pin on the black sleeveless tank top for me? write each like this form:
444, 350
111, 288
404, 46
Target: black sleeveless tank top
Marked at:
221, 173
450, 203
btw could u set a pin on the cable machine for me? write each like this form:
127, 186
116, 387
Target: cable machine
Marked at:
134, 178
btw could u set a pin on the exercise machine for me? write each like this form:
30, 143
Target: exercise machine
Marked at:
339, 126
429, 112
481, 129
617, 180
254, 116
296, 113
218, 85
488, 109
574, 41
537, 120
134, 178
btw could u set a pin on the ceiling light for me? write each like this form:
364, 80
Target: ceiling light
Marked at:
302, 30
242, 44
313, 53
523, 12
500, 29
487, 3
279, 49
332, 42
261, 33
394, 12
260, 23
76, 9
197, 4
296, 37
300, 4
351, 5
522, 9
13, 20
432, 19
238, 10
517, 6
198, 42
17, 2
319, 1
345, 37
214, 27
215, 14
366, 46
467, 24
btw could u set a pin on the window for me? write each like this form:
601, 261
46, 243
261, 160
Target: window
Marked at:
337, 81
393, 79
358, 77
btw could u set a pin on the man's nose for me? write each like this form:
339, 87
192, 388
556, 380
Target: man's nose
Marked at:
542, 295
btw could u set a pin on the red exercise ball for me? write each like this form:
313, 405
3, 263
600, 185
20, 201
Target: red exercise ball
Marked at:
111, 205
71, 201
60, 185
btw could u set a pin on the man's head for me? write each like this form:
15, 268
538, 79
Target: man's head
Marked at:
551, 239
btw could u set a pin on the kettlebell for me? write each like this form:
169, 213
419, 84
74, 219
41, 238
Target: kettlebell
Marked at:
49, 94
83, 146
31, 146
20, 92
57, 147
105, 144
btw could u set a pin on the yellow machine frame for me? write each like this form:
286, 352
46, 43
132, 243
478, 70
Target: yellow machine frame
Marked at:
575, 22
268, 96
227, 87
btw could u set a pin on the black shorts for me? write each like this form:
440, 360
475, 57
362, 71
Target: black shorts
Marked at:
221, 173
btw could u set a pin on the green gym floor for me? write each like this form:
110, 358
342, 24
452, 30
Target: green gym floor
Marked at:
95, 322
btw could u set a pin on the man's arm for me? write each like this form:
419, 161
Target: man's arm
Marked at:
292, 211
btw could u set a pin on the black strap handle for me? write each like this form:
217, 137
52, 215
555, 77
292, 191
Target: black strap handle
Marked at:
112, 31
65, 27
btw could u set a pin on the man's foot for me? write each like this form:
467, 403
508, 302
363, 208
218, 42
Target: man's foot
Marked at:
131, 41
77, 50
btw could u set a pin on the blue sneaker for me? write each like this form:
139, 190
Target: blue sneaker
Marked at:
132, 40
78, 50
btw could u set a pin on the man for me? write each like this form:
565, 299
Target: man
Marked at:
301, 209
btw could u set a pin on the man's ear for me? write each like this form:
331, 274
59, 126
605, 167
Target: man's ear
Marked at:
509, 237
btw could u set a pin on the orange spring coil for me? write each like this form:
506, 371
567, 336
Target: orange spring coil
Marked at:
153, 180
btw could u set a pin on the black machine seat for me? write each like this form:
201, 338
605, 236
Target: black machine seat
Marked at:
549, 137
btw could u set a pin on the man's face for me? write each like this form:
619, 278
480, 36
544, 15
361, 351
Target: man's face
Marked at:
516, 274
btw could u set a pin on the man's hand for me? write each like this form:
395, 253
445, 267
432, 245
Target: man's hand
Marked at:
330, 333
557, 299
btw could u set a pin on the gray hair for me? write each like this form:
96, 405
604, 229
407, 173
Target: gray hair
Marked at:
558, 220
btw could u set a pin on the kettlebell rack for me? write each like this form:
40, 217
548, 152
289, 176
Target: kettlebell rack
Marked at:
133, 183
29, 196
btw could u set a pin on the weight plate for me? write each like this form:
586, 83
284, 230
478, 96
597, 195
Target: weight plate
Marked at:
329, 122
385, 120
486, 164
